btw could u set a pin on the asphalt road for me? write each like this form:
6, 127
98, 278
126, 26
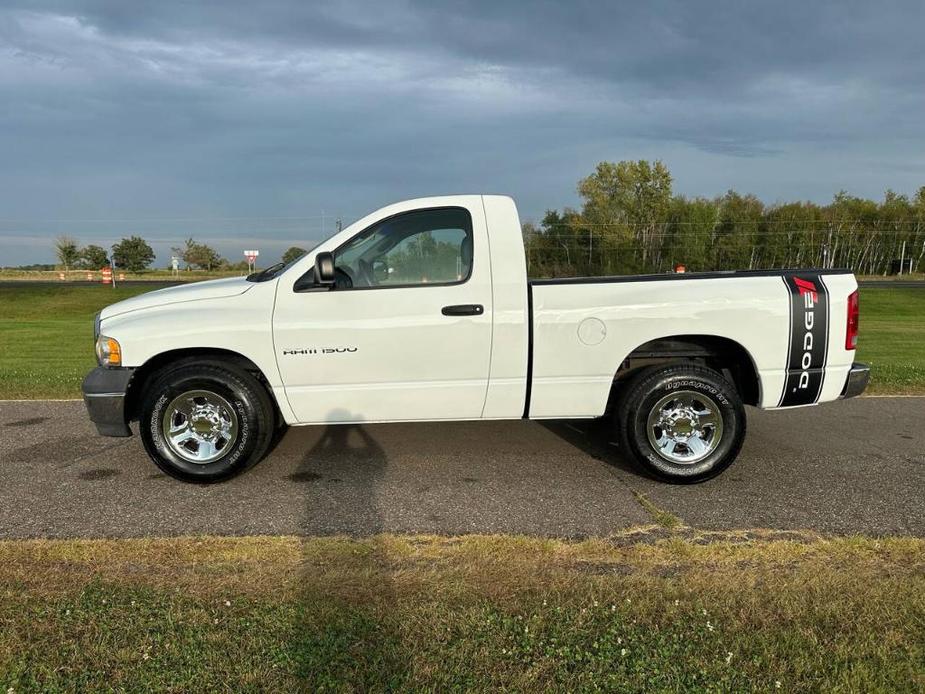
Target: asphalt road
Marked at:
847, 467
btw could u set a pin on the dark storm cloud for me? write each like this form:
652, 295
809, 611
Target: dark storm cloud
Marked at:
209, 110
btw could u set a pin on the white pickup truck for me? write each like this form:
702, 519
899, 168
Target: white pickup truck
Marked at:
422, 311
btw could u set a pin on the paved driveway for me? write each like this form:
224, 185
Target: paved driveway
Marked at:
849, 467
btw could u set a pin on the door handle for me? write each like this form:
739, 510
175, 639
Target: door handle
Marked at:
463, 310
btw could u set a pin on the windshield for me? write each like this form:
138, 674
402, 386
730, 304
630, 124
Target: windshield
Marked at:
276, 270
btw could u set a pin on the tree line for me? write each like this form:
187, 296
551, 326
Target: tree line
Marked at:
631, 222
132, 254
136, 255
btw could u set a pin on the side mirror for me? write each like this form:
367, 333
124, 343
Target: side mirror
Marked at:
380, 270
324, 269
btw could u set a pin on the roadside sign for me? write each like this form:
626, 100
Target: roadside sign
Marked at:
106, 274
251, 257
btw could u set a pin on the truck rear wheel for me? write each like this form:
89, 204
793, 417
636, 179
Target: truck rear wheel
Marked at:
681, 423
205, 422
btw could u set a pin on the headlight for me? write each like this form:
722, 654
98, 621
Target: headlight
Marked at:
108, 351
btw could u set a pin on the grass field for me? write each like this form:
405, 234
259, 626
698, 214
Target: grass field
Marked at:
46, 335
653, 609
696, 613
892, 339
153, 275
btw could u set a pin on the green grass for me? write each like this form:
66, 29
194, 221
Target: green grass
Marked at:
153, 275
892, 339
665, 519
46, 335
707, 612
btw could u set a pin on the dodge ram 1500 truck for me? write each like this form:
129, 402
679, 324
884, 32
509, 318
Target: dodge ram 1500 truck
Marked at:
422, 311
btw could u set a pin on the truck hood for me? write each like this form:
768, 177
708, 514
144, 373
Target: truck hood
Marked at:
211, 289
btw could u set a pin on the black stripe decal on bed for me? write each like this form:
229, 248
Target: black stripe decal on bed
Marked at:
809, 339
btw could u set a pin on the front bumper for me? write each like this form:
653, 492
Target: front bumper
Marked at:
858, 378
104, 394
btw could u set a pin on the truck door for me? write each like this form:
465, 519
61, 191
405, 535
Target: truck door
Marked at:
405, 333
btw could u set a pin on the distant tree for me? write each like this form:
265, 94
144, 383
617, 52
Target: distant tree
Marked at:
628, 200
67, 252
93, 257
202, 256
741, 221
293, 253
31, 266
133, 254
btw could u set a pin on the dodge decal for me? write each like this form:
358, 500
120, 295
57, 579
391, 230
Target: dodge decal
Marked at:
809, 339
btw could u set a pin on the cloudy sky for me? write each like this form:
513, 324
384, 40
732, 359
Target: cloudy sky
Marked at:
241, 123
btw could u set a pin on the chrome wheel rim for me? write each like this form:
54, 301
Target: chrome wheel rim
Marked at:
200, 426
685, 427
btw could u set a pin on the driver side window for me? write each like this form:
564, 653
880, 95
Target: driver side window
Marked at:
410, 249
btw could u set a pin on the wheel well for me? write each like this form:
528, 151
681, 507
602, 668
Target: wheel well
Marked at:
719, 353
145, 373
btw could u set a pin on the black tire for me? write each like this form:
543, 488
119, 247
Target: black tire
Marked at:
253, 413
703, 387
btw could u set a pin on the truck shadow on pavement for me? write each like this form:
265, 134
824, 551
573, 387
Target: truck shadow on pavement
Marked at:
350, 490
595, 438
345, 460
346, 641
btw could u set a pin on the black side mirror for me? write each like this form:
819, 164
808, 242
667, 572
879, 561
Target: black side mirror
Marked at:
324, 269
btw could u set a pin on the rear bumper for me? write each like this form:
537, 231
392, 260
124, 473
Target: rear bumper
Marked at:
104, 395
858, 378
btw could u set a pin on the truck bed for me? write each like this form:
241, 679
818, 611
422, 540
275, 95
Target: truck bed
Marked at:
672, 276
583, 328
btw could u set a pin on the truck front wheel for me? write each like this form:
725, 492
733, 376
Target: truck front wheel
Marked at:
681, 423
205, 422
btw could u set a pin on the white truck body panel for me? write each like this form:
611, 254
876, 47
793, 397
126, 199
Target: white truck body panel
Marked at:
752, 312
402, 359
507, 383
172, 296
389, 353
238, 322
574, 379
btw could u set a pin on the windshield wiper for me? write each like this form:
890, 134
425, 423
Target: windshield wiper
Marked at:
266, 274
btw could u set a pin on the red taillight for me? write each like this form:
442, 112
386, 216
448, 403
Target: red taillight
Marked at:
854, 312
